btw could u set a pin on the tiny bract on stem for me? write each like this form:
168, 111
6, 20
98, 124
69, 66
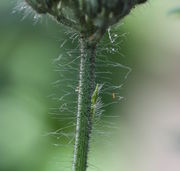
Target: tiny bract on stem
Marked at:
90, 19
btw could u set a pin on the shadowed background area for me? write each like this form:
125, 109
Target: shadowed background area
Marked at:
144, 135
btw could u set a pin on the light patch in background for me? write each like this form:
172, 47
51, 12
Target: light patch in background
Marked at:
150, 128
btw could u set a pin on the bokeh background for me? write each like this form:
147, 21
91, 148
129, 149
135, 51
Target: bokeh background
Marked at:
144, 135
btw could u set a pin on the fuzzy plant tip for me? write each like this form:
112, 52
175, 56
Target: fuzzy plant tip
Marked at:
89, 17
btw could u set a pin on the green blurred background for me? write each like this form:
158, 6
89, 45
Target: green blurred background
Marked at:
27, 51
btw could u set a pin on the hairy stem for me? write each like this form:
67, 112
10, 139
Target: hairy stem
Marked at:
84, 117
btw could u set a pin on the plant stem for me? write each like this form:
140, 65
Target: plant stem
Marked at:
84, 118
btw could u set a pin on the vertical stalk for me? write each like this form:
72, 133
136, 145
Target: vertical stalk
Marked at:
84, 119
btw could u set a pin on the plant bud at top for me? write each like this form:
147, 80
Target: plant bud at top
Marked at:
88, 15
111, 11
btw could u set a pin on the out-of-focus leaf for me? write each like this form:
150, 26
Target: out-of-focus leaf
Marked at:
175, 11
